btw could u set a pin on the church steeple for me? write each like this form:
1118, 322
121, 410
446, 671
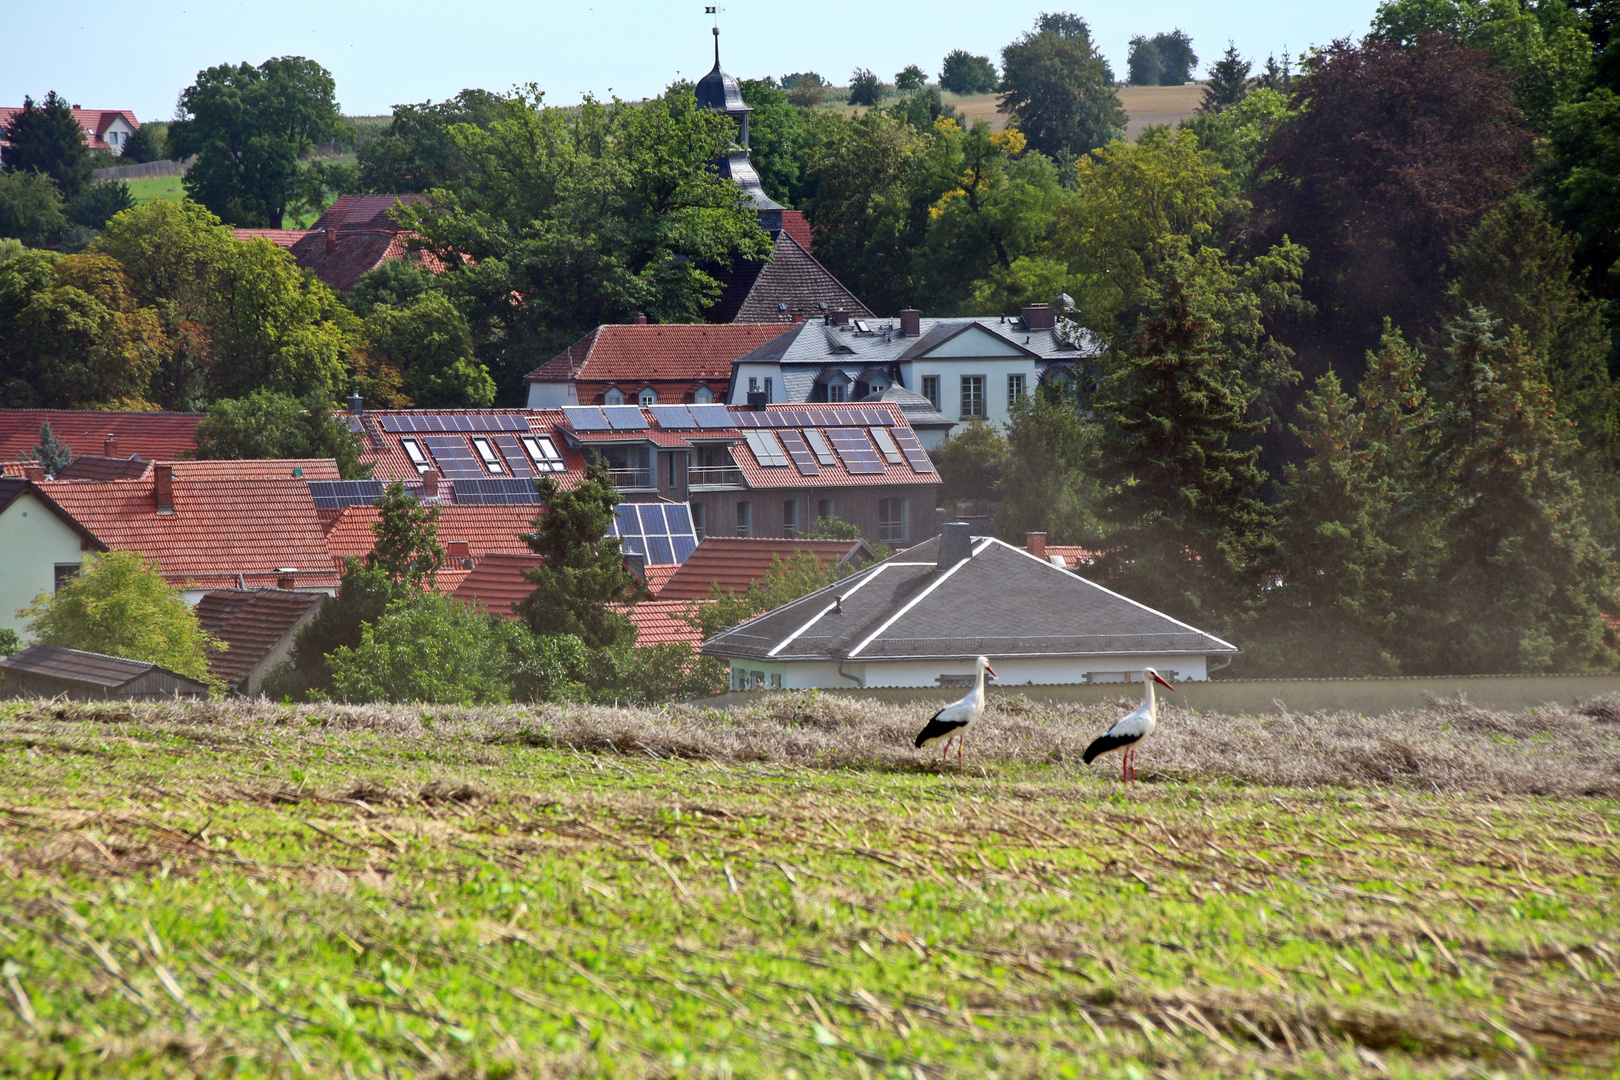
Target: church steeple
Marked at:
721, 92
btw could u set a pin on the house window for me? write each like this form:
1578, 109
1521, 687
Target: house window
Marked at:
835, 391
745, 519
753, 385
487, 454
1015, 390
776, 680
767, 389
543, 452
614, 396
700, 520
65, 572
973, 397
892, 521
825, 510
818, 443
930, 389
704, 396
671, 458
886, 445
418, 456
790, 517
648, 396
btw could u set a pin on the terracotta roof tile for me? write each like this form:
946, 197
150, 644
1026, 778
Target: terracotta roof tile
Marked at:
94, 122
795, 225
786, 476
735, 562
252, 622
363, 212
497, 583
663, 622
656, 353
282, 238
387, 458
485, 529
97, 467
221, 527
354, 253
658, 575
151, 435
307, 469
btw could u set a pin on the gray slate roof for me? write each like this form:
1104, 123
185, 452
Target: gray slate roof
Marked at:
75, 665
817, 343
1001, 602
919, 411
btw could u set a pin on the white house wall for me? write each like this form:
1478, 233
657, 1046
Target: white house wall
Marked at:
950, 372
33, 542
1057, 671
552, 395
741, 373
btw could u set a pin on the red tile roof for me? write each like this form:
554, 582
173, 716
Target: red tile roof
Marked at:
795, 225
97, 467
663, 622
221, 527
735, 562
363, 212
386, 456
305, 469
282, 238
252, 622
657, 575
354, 252
151, 435
640, 355
787, 476
497, 583
494, 529
95, 122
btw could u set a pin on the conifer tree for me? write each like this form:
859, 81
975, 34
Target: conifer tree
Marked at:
584, 570
1187, 534
52, 453
1228, 81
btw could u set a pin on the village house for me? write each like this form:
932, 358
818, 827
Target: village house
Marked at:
104, 129
641, 364
50, 671
41, 546
150, 436
922, 617
258, 627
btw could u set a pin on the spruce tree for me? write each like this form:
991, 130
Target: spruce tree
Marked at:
45, 138
52, 453
583, 571
1228, 81
1186, 533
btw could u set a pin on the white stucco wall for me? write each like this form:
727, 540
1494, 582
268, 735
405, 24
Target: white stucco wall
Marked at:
950, 371
1012, 673
741, 373
33, 540
552, 395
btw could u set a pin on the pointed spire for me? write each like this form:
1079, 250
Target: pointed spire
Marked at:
717, 48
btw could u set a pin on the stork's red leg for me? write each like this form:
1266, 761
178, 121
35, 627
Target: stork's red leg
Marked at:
960, 739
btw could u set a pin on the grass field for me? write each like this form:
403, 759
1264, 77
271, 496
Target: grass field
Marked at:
164, 188
1144, 104
259, 890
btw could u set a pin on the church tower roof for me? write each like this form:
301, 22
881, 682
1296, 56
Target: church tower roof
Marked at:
720, 91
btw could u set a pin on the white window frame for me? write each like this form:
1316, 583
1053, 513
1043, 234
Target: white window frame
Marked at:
753, 384
543, 452
930, 389
768, 391
1015, 389
648, 396
700, 520
486, 453
745, 518
826, 508
977, 382
892, 530
835, 392
417, 455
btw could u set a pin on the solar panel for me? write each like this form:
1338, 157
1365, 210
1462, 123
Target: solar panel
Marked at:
876, 417
912, 449
818, 443
625, 417
674, 417
515, 457
661, 532
800, 453
744, 418
585, 418
856, 450
885, 445
453, 457
711, 416
501, 491
765, 447
337, 494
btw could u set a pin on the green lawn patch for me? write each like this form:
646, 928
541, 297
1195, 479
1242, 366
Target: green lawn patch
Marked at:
160, 188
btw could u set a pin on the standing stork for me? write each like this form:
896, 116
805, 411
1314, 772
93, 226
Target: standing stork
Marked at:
1130, 729
954, 720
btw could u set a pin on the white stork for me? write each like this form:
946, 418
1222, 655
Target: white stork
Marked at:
1130, 729
954, 720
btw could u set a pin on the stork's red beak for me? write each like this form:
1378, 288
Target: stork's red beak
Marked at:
1164, 684
992, 671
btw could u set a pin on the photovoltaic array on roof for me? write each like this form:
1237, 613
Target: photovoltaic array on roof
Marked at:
765, 447
502, 491
673, 417
885, 445
453, 457
818, 443
414, 422
800, 453
585, 418
916, 457
515, 457
856, 450
625, 417
337, 494
811, 417
711, 416
661, 532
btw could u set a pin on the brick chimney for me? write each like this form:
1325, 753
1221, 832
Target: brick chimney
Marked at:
1035, 544
457, 550
838, 316
110, 447
286, 577
430, 484
36, 473
1039, 317
163, 488
331, 240
910, 322
955, 543
638, 319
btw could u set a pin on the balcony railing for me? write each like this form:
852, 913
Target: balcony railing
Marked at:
714, 476
633, 478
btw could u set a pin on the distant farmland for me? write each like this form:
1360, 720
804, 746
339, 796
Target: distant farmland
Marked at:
1145, 105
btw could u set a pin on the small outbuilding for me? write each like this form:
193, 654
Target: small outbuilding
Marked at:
48, 671
923, 616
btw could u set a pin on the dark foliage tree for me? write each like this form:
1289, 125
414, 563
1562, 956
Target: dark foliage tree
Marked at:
1142, 63
395, 283
1185, 531
1049, 482
1059, 90
52, 453
266, 425
407, 551
1228, 82
921, 109
804, 89
247, 128
97, 203
865, 88
417, 151
971, 464
1398, 156
910, 78
1582, 181
776, 138
148, 143
583, 570
45, 138
30, 208
964, 73
1161, 60
1276, 76
429, 343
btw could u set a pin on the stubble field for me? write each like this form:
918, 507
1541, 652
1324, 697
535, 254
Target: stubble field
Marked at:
257, 890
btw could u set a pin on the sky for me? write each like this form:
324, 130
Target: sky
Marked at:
139, 55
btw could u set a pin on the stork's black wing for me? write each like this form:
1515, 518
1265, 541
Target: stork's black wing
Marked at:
938, 729
1106, 743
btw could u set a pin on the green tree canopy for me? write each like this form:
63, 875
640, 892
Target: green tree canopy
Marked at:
418, 152
971, 463
583, 570
247, 128
910, 78
149, 143
964, 73
1058, 89
1228, 82
97, 203
30, 208
52, 453
776, 137
1050, 480
267, 425
119, 604
1165, 59
865, 88
427, 648
430, 344
44, 138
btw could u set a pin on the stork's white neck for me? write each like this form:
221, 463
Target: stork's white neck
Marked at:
978, 687
1147, 692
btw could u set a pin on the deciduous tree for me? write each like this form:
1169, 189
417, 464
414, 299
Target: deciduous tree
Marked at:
865, 88
964, 73
1059, 90
267, 425
30, 208
430, 344
427, 648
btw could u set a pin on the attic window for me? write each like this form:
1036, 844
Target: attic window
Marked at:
487, 454
885, 443
704, 396
543, 452
613, 397
648, 397
419, 458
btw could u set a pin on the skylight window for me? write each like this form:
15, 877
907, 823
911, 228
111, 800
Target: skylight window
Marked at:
891, 452
487, 454
543, 452
418, 456
766, 448
817, 443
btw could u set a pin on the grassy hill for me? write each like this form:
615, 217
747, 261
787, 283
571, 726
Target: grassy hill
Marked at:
257, 890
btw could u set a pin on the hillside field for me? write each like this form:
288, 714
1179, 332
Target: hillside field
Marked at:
255, 890
160, 188
1144, 104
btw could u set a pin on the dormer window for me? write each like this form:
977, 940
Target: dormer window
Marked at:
614, 396
543, 452
704, 396
648, 396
